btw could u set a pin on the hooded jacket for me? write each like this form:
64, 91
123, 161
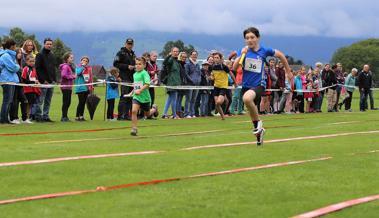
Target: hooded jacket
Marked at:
67, 76
8, 66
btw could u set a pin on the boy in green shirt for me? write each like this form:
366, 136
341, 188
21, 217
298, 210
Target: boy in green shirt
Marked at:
141, 95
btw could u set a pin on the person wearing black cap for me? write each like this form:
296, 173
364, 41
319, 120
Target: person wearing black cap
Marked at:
125, 62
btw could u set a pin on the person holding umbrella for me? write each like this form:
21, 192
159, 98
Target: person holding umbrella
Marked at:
84, 79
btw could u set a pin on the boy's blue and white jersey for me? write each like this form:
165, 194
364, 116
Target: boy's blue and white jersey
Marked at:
253, 67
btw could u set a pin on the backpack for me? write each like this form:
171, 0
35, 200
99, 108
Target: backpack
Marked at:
164, 72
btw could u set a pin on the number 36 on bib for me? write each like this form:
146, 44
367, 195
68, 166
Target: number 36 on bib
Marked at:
253, 65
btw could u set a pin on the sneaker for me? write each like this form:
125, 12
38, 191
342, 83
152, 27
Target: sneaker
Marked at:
48, 120
188, 116
112, 120
16, 121
260, 137
350, 110
156, 113
259, 127
27, 121
65, 119
133, 132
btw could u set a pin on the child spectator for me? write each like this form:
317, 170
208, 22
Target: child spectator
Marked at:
308, 95
67, 79
29, 76
112, 92
83, 77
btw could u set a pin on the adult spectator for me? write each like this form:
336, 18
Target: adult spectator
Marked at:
364, 83
184, 78
280, 84
331, 80
125, 61
371, 95
152, 69
28, 48
340, 82
173, 79
46, 75
274, 82
192, 69
8, 73
349, 87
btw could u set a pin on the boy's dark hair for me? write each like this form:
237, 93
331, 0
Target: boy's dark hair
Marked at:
114, 70
253, 30
48, 39
8, 43
219, 54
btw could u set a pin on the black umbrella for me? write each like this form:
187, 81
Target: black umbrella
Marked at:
92, 102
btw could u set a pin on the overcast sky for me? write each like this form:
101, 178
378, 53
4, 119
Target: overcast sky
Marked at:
337, 18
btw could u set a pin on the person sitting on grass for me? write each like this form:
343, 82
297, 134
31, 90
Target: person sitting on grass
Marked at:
219, 72
141, 95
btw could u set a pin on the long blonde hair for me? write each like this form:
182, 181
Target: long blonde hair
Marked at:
34, 50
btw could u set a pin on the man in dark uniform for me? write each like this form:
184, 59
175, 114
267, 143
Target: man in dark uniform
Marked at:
125, 62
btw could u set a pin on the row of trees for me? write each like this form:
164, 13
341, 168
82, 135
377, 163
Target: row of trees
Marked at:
359, 54
20, 36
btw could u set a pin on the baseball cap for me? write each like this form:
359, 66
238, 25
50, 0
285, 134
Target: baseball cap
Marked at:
129, 41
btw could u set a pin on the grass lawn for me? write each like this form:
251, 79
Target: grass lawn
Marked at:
275, 192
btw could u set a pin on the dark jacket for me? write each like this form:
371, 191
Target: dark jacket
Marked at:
364, 80
173, 77
330, 78
281, 74
123, 59
45, 66
194, 73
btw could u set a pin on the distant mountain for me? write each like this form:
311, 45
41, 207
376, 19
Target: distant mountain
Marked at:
102, 46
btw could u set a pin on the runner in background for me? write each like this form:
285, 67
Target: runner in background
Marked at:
252, 57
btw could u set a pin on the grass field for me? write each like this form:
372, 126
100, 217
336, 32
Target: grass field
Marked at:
274, 192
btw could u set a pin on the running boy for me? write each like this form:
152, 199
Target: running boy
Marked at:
219, 73
141, 95
252, 58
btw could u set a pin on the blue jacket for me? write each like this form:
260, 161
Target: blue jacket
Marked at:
8, 66
194, 73
112, 89
299, 85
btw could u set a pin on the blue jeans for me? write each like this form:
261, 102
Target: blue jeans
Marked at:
192, 95
171, 100
8, 92
237, 101
363, 99
204, 101
45, 99
187, 94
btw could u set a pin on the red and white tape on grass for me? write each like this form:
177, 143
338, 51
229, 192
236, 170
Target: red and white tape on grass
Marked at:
336, 207
153, 182
52, 160
281, 140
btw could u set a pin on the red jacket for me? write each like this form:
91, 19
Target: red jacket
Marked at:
29, 76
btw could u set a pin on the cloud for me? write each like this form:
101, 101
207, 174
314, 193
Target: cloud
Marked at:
336, 18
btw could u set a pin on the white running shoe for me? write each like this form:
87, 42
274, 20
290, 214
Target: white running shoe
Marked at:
259, 127
260, 137
16, 121
27, 121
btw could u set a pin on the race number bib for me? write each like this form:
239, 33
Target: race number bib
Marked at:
253, 65
137, 85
